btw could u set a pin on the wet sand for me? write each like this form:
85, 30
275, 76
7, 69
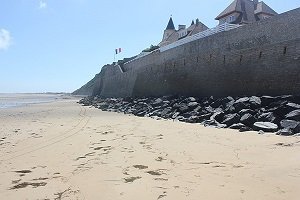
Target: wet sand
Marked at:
62, 150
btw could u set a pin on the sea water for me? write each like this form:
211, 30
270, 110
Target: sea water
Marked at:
17, 100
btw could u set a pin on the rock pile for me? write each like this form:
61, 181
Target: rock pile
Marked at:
280, 114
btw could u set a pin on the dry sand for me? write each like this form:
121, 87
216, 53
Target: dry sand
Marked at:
62, 150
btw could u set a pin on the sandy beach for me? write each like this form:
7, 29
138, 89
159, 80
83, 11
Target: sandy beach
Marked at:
62, 150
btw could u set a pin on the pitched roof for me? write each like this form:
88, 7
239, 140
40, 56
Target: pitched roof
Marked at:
264, 8
235, 6
170, 25
248, 8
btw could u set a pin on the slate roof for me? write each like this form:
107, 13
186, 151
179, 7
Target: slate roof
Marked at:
170, 25
264, 8
248, 10
235, 6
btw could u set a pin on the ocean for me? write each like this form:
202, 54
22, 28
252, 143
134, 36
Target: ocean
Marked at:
17, 100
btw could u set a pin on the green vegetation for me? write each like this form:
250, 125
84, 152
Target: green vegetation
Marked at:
151, 48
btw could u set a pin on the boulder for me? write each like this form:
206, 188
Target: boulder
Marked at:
166, 112
221, 101
203, 117
254, 102
248, 119
209, 109
294, 115
246, 111
238, 106
192, 105
197, 109
286, 108
286, 123
219, 116
193, 119
213, 123
265, 126
237, 126
246, 128
183, 108
285, 132
175, 115
267, 117
242, 100
157, 102
230, 119
191, 99
267, 100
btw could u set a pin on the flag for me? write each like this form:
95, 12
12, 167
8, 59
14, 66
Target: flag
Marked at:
118, 50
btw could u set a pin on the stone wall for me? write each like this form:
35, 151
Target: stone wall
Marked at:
262, 58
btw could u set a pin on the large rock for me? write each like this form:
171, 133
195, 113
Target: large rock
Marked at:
190, 99
267, 100
246, 111
294, 115
285, 132
237, 126
254, 102
284, 109
166, 113
265, 126
241, 103
248, 119
221, 101
183, 108
230, 119
286, 123
293, 125
157, 102
192, 105
204, 117
267, 117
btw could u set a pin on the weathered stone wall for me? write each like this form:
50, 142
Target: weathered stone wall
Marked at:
260, 58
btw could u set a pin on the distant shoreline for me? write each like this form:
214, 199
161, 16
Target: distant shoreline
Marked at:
13, 100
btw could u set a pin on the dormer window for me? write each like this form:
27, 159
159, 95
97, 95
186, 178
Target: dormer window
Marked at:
232, 18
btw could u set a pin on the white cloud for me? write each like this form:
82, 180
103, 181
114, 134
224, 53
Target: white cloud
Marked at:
5, 39
43, 5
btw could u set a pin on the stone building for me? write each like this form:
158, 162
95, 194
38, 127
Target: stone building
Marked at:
245, 12
172, 35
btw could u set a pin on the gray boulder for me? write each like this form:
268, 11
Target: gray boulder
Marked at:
267, 117
230, 119
285, 132
294, 115
265, 126
248, 119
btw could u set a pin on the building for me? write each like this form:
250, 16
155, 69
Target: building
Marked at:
172, 35
245, 12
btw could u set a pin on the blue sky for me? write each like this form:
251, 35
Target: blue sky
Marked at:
59, 45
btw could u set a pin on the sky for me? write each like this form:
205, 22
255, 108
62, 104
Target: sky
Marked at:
59, 45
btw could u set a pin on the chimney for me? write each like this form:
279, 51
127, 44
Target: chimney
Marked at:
255, 2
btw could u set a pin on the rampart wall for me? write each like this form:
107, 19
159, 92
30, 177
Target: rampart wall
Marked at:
262, 58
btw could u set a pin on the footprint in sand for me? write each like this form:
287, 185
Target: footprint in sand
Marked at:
160, 159
162, 195
25, 184
25, 171
131, 179
140, 166
158, 172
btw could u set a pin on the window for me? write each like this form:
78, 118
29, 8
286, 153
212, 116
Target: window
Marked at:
231, 18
